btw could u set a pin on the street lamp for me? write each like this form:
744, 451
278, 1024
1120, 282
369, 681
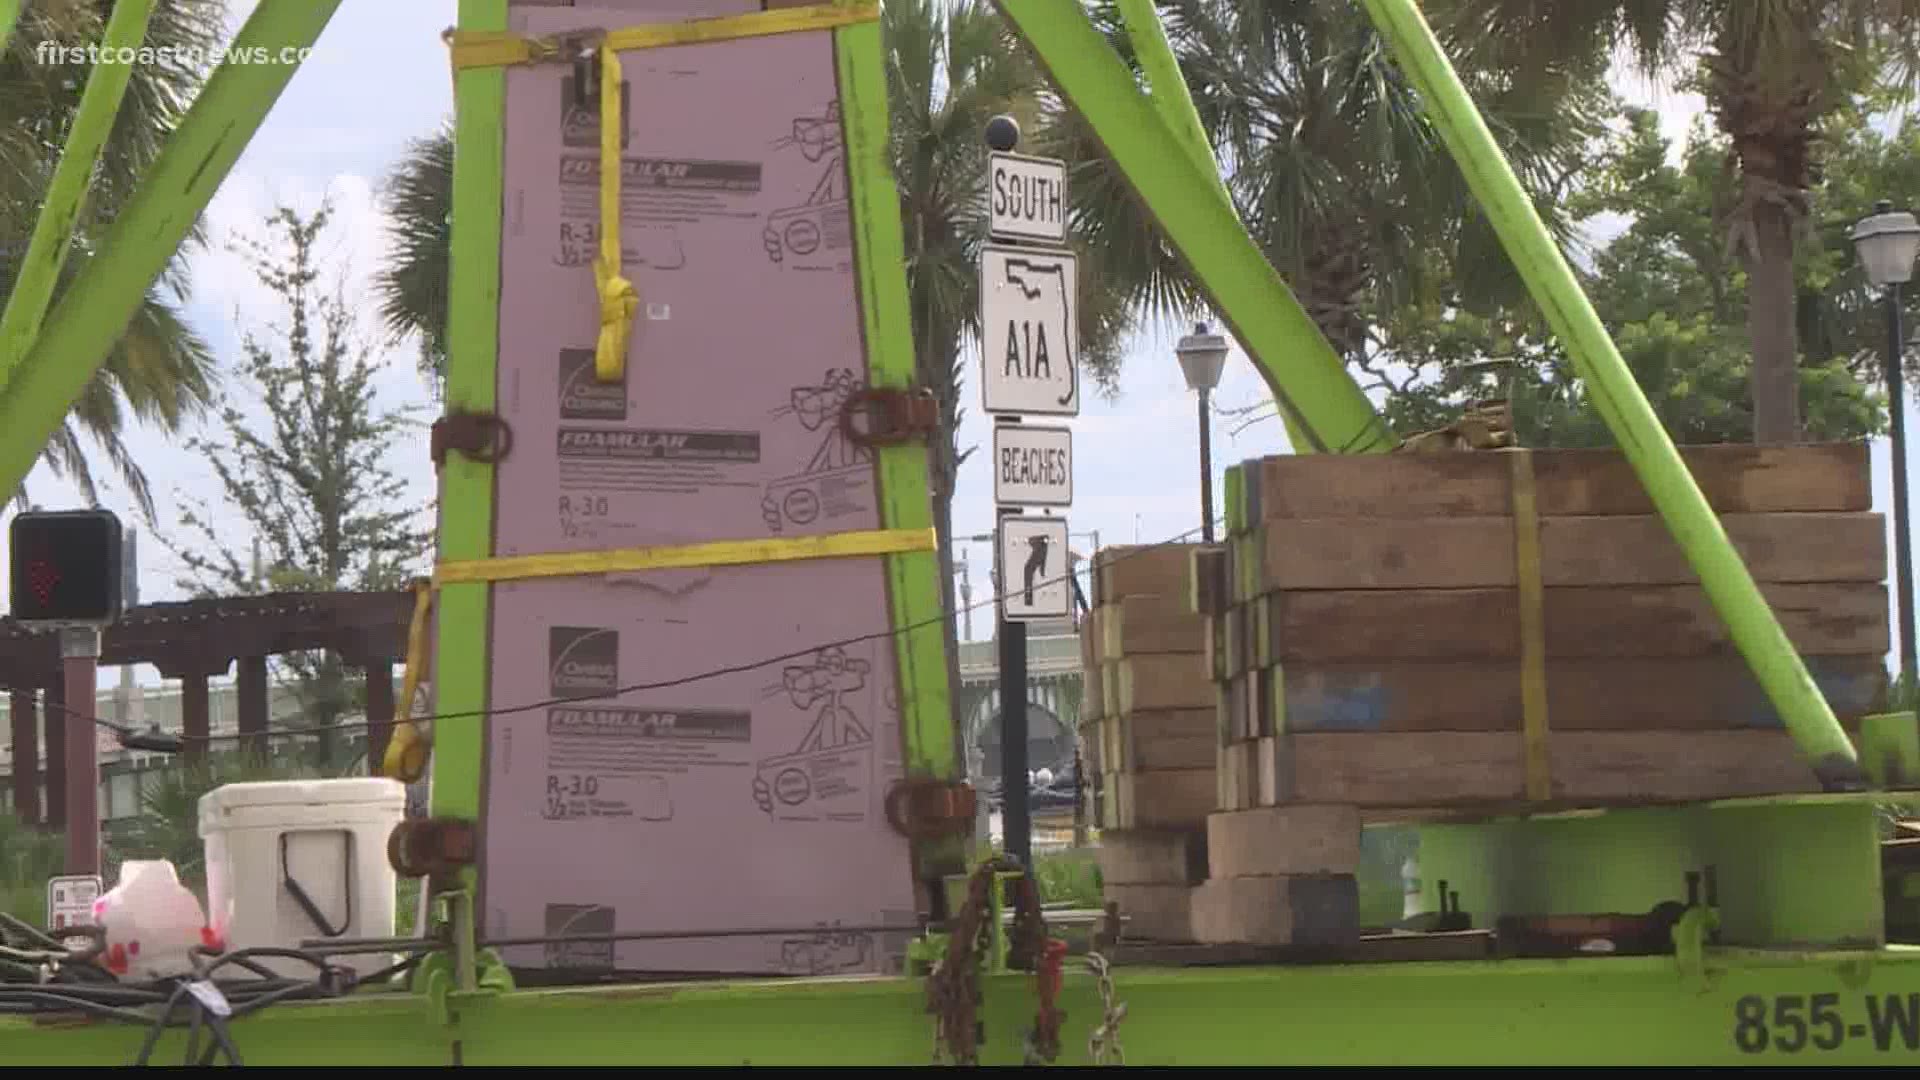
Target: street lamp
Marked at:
1203, 354
1888, 243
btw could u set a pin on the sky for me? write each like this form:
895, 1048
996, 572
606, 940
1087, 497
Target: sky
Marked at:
379, 77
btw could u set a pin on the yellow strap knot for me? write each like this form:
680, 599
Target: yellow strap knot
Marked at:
619, 300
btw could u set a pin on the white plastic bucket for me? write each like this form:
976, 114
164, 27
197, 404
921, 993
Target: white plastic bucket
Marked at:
301, 860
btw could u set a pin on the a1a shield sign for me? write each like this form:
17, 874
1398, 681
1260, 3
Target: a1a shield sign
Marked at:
1030, 340
1033, 569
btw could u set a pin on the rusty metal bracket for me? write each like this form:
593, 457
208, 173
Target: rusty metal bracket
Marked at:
481, 437
893, 416
432, 847
931, 809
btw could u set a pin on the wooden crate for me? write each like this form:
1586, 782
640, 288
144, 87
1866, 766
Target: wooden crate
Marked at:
1149, 703
1365, 628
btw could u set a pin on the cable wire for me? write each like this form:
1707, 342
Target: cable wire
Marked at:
200, 1001
1133, 551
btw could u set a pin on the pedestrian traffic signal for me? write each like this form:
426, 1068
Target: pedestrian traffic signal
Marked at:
64, 567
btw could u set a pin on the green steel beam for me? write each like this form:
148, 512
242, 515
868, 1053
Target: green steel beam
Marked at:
67, 193
103, 296
1646, 444
922, 673
913, 579
463, 612
9, 18
1167, 91
1167, 87
1744, 1008
1309, 381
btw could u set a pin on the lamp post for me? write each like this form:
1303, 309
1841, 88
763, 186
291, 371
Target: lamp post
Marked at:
1203, 354
1887, 244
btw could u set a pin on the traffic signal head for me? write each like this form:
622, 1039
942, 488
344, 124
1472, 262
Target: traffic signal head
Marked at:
64, 567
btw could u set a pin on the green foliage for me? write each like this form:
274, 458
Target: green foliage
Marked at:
1673, 296
28, 857
1781, 79
413, 287
308, 477
1339, 174
1068, 877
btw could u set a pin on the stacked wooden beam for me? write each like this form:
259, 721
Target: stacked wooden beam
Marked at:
1152, 715
1370, 647
1148, 733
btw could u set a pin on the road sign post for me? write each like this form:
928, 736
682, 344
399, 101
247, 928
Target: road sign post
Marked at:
1030, 367
67, 573
1016, 817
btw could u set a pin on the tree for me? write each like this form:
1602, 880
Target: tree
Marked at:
1335, 169
1774, 74
1840, 313
308, 476
160, 371
413, 287
1339, 174
1670, 294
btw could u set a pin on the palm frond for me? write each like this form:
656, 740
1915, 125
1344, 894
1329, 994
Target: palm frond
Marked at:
160, 371
412, 285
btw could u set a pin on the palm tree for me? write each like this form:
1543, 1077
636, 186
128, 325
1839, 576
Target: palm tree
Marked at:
1334, 169
1340, 175
1774, 72
413, 285
160, 371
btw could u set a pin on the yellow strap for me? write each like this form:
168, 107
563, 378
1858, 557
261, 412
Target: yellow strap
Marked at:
619, 300
685, 556
1533, 622
405, 759
488, 48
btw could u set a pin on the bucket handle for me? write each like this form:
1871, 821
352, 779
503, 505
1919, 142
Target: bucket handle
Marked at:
305, 900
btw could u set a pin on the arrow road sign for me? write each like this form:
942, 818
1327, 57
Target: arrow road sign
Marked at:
1027, 198
1031, 344
1033, 569
1032, 466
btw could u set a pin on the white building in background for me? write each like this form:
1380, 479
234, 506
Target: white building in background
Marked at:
123, 772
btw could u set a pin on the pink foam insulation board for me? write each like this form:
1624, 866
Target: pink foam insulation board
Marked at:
750, 799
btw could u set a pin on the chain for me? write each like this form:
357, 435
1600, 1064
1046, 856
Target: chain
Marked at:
953, 984
1043, 1042
1104, 1044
